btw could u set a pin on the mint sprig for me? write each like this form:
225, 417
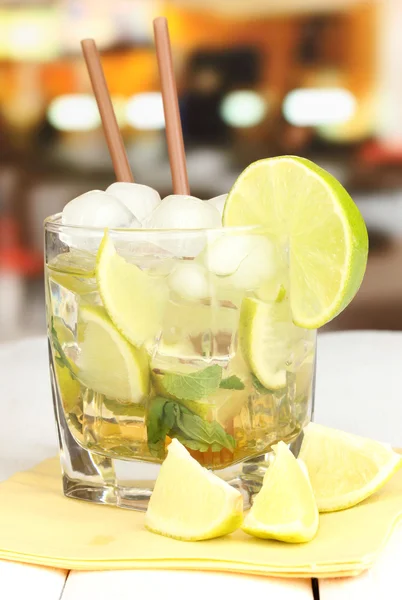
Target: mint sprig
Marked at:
232, 383
167, 417
124, 410
59, 354
193, 386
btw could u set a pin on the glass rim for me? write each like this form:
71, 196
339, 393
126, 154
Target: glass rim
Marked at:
54, 225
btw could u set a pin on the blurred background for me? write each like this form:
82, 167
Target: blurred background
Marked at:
256, 78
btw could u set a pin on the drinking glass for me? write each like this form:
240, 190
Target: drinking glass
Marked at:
222, 367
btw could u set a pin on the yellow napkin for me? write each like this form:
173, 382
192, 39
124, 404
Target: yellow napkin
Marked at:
39, 525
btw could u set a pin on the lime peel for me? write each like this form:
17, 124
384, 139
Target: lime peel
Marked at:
285, 508
294, 199
191, 503
267, 337
345, 469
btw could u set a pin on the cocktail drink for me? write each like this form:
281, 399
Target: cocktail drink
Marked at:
158, 334
204, 333
187, 319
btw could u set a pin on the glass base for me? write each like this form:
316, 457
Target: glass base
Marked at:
129, 483
130, 492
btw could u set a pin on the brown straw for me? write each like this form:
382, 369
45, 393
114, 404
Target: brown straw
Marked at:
174, 132
110, 127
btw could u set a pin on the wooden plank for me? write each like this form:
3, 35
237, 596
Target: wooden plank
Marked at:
382, 581
182, 585
20, 581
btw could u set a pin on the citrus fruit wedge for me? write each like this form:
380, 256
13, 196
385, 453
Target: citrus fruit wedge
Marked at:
107, 363
285, 508
191, 503
268, 338
133, 300
306, 209
345, 469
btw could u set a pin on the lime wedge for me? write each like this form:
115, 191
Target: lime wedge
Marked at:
191, 503
268, 340
285, 507
134, 301
107, 363
307, 208
345, 469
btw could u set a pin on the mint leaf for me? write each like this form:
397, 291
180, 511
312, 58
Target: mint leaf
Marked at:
167, 417
196, 429
126, 410
232, 383
60, 361
193, 386
261, 389
59, 354
192, 444
160, 420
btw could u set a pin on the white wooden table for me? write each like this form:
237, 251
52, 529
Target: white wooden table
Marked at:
358, 390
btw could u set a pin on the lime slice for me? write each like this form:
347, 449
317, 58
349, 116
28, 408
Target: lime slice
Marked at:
75, 262
191, 503
307, 208
107, 363
268, 340
134, 301
285, 507
345, 469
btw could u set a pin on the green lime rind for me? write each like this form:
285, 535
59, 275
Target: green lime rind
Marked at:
267, 339
191, 503
285, 508
307, 209
357, 238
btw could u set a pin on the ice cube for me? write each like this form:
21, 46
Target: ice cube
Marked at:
140, 199
190, 281
246, 260
187, 213
218, 202
97, 209
184, 212
94, 209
